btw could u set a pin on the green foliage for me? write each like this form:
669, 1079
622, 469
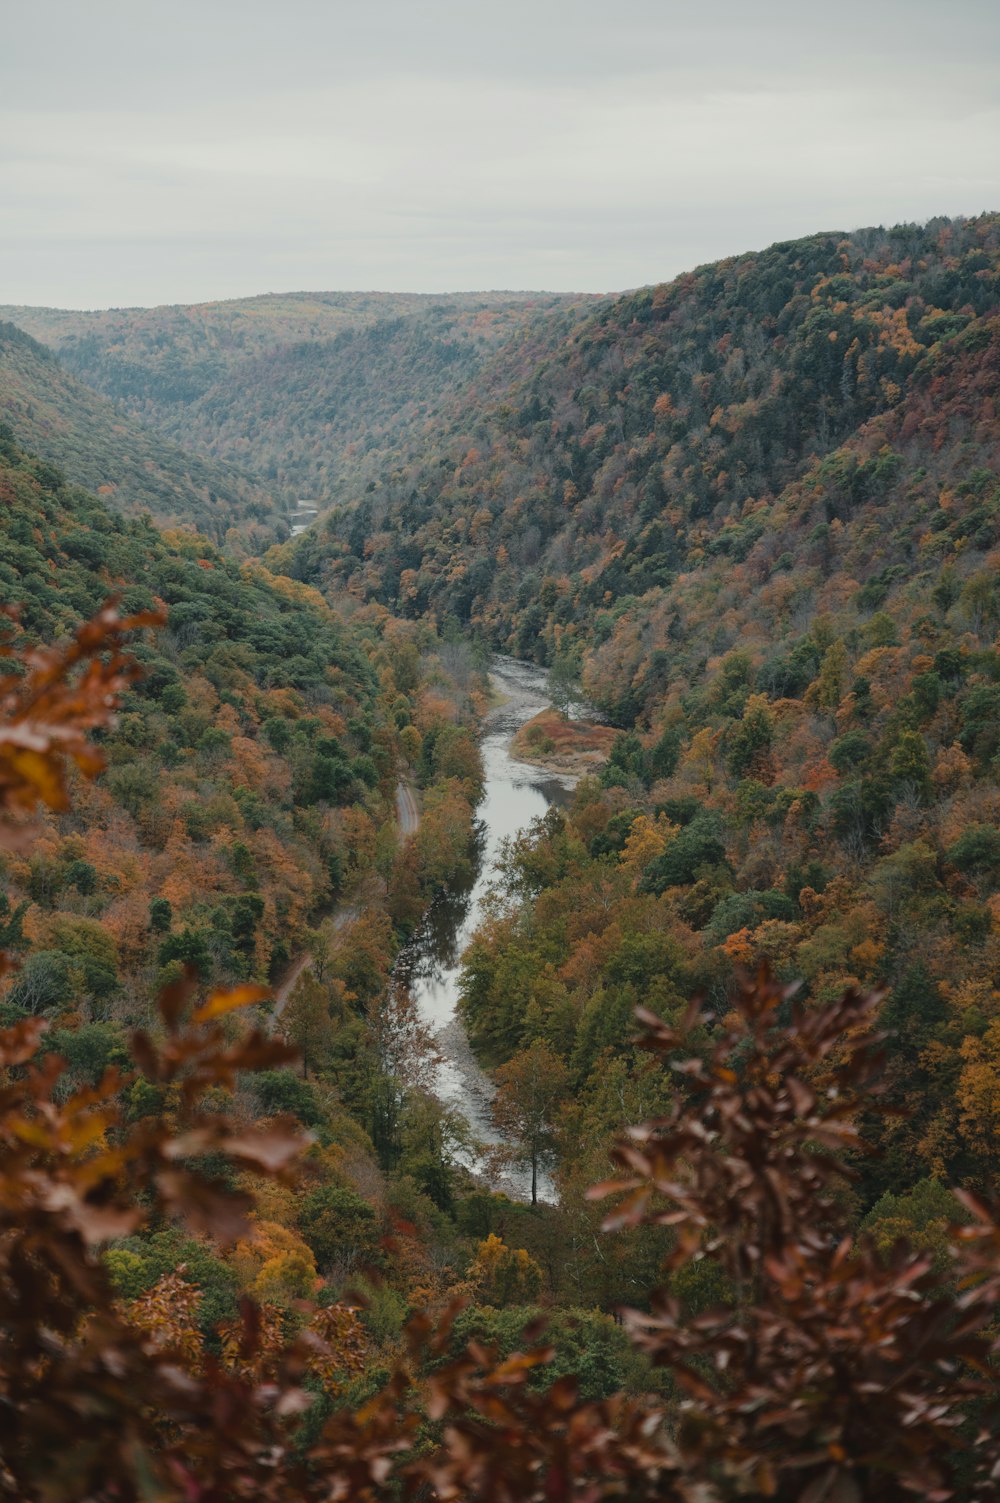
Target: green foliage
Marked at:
89, 1050
746, 910
190, 948
587, 1345
751, 739
564, 682
697, 846
921, 1217
341, 1227
977, 852
281, 1091
136, 1264
44, 982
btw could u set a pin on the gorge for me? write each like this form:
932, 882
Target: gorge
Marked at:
753, 516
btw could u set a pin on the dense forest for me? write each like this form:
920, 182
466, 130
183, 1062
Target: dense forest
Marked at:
134, 469
312, 393
245, 821
753, 517
758, 510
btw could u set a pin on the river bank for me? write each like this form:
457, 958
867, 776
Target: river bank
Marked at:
407, 824
515, 793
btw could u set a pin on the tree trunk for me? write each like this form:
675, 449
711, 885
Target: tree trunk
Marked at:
534, 1179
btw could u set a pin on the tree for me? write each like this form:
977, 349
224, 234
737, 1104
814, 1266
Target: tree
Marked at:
697, 845
829, 684
530, 1089
403, 1056
340, 1226
564, 683
910, 764
504, 1275
43, 983
977, 852
190, 947
306, 1021
750, 740
160, 915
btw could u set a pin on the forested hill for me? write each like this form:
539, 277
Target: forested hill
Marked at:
317, 393
220, 829
136, 470
707, 464
759, 508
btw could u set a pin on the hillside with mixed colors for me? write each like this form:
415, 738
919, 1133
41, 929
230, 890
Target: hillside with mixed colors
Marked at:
136, 470
733, 1002
311, 393
757, 511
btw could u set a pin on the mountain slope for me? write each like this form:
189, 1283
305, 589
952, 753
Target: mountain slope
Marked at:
313, 391
760, 510
59, 418
654, 439
217, 833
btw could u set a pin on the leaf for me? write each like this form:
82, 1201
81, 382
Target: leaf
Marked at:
174, 997
39, 771
271, 1148
20, 1043
219, 1213
803, 1099
94, 1223
228, 1001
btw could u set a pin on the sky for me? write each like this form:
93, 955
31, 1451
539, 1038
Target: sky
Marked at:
188, 151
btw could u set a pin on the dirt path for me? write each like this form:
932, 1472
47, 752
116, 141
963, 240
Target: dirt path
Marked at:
408, 822
407, 813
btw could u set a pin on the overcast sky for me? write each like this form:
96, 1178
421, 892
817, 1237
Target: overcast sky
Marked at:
158, 152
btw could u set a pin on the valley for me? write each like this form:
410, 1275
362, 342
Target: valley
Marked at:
388, 548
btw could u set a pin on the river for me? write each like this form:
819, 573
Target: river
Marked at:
514, 795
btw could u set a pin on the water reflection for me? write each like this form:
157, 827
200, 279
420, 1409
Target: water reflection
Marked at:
514, 795
438, 944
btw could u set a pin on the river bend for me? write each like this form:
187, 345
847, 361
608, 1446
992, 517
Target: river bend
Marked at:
515, 794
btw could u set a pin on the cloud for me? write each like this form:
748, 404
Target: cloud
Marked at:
170, 153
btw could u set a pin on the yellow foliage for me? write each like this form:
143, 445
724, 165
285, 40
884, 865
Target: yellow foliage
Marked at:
504, 1275
269, 1240
646, 839
287, 1277
979, 1093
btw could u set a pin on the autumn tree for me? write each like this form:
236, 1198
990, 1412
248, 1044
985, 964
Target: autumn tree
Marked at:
306, 1022
503, 1275
529, 1091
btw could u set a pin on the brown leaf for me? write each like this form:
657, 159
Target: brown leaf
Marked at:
228, 1001
271, 1148
208, 1208
174, 998
20, 1042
